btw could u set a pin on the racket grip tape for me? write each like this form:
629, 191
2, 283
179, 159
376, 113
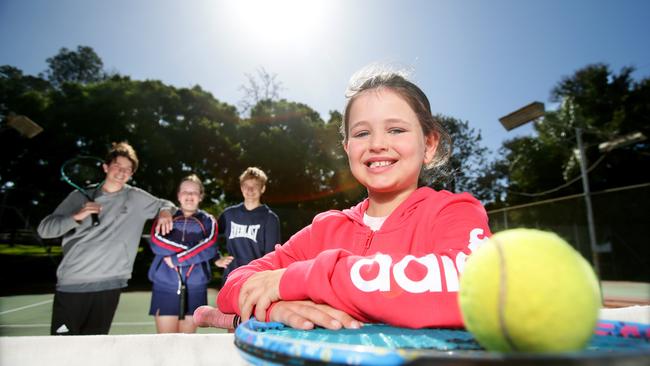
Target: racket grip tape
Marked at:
182, 300
207, 316
182, 294
95, 219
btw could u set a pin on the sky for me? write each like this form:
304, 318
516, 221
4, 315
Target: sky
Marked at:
476, 60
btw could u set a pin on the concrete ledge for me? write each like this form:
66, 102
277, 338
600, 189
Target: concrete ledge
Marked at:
141, 350
624, 293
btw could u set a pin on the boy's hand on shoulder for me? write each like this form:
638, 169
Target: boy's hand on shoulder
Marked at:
164, 224
259, 292
307, 314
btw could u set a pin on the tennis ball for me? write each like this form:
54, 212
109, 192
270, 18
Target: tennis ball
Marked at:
526, 290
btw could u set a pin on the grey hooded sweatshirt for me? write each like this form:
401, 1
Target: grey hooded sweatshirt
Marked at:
97, 258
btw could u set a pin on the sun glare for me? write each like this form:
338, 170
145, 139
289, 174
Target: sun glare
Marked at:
276, 22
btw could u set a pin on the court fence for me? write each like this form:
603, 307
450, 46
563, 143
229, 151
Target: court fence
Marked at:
621, 223
620, 215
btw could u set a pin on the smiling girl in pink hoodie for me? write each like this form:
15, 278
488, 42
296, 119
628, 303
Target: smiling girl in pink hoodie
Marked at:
394, 258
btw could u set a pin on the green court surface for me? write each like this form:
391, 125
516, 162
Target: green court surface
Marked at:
30, 315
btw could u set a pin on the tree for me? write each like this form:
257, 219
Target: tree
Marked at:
175, 131
604, 105
532, 166
301, 154
18, 91
466, 170
83, 66
263, 86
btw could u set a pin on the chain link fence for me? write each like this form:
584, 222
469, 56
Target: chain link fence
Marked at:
621, 221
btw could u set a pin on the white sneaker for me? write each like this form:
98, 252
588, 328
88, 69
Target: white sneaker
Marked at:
62, 329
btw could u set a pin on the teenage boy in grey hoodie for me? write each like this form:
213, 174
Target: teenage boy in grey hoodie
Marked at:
98, 260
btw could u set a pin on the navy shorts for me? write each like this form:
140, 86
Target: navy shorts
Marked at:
167, 302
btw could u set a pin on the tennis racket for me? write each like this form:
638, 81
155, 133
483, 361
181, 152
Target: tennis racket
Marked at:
84, 173
182, 294
374, 344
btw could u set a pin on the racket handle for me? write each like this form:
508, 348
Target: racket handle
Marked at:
95, 219
181, 308
207, 316
182, 294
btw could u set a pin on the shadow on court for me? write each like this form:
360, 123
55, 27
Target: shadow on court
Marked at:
27, 274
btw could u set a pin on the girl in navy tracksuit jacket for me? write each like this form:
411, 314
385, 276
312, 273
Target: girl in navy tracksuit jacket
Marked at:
186, 250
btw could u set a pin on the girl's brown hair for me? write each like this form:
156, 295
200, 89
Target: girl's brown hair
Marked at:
374, 79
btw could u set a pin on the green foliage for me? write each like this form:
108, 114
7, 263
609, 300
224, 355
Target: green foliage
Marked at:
604, 105
301, 154
83, 66
29, 250
178, 131
466, 172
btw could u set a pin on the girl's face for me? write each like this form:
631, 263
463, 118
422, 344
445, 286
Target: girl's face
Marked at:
386, 147
189, 197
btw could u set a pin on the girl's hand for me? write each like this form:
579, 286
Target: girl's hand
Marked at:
307, 314
169, 263
259, 292
223, 262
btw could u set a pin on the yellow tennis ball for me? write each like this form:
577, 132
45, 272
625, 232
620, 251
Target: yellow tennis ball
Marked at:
526, 290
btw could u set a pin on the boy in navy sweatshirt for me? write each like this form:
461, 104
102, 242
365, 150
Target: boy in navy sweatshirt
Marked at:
251, 229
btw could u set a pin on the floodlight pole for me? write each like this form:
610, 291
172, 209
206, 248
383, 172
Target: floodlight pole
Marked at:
590, 213
530, 113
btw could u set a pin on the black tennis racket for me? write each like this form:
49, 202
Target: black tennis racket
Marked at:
84, 173
182, 294
376, 344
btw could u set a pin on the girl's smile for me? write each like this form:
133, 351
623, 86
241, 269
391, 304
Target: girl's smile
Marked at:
386, 146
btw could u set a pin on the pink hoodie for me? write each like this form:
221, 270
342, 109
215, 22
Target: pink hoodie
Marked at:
404, 274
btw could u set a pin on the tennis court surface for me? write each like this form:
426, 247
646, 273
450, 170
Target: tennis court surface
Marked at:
30, 315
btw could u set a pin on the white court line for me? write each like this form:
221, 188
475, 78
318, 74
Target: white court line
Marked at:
26, 307
24, 325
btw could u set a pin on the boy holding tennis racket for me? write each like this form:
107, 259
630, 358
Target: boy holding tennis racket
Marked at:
98, 259
395, 257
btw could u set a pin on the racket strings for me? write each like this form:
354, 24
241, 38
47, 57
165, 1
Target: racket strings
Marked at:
272, 343
83, 173
383, 336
